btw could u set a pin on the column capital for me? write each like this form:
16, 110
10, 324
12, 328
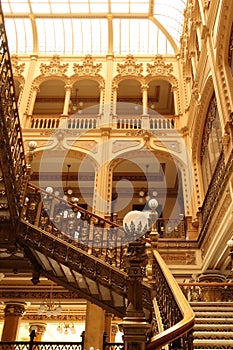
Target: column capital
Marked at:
14, 308
38, 327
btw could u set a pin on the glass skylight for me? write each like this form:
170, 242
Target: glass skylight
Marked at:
81, 26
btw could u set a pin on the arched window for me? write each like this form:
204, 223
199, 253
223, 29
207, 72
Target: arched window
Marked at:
211, 142
231, 50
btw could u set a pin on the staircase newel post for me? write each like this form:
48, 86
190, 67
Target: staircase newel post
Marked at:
83, 337
135, 326
105, 336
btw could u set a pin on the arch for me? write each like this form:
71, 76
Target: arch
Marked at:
157, 179
200, 117
98, 78
86, 96
50, 98
119, 78
222, 54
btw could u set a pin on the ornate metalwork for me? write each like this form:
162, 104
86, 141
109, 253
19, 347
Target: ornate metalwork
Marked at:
41, 345
216, 186
169, 310
12, 158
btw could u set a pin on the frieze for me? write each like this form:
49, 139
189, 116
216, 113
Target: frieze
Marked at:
88, 67
54, 67
120, 145
87, 145
186, 258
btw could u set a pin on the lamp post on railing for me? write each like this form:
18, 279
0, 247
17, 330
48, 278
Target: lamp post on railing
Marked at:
135, 326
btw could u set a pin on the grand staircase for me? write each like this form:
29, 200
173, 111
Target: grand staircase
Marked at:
213, 325
85, 253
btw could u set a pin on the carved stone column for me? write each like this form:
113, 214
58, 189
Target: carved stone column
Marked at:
101, 100
13, 312
107, 326
94, 328
145, 99
134, 326
68, 89
39, 328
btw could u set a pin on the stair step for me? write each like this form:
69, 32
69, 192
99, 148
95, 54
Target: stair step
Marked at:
215, 314
213, 327
210, 335
214, 322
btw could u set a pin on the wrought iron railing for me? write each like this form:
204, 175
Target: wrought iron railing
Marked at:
22, 345
73, 224
174, 314
218, 183
12, 158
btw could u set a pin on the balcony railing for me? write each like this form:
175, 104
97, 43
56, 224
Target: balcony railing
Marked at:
92, 122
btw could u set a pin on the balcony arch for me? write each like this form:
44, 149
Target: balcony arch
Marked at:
140, 174
49, 99
128, 96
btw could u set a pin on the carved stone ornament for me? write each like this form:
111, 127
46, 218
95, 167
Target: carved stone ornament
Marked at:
15, 309
17, 68
130, 67
159, 67
54, 68
88, 67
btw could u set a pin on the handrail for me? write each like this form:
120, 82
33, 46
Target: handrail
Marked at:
186, 323
75, 207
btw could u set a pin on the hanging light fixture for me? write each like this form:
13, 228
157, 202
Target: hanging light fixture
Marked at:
50, 307
66, 328
75, 105
144, 194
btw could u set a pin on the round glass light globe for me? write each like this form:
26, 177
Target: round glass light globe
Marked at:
32, 144
230, 243
135, 216
49, 190
153, 204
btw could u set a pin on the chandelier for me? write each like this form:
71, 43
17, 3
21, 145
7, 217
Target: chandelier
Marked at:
66, 328
75, 105
50, 307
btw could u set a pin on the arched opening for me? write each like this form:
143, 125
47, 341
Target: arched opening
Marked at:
85, 98
50, 98
160, 98
139, 178
129, 98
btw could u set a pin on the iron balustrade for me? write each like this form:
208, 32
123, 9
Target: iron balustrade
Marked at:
13, 162
175, 314
22, 345
73, 224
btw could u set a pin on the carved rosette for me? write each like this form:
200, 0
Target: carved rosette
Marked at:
130, 67
15, 309
159, 67
54, 68
88, 67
